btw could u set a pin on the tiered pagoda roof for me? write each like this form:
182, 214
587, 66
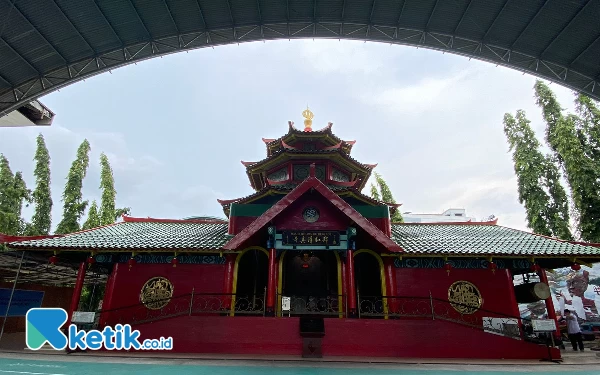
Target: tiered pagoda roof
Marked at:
288, 157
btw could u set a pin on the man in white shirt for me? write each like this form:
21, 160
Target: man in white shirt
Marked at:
574, 330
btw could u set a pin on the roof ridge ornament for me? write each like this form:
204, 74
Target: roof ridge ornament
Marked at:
308, 116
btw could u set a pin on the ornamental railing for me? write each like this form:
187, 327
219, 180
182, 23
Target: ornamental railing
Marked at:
438, 309
185, 304
330, 305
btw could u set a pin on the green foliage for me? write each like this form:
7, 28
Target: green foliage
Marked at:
573, 140
385, 195
375, 193
122, 211
42, 217
74, 205
544, 198
93, 220
109, 195
91, 295
13, 193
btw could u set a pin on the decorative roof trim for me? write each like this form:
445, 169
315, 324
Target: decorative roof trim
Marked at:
312, 183
6, 238
492, 222
247, 163
129, 219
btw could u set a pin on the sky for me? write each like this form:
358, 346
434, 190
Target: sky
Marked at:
176, 128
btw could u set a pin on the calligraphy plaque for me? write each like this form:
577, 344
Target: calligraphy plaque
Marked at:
310, 238
464, 297
156, 293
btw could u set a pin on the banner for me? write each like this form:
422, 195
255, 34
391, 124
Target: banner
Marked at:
22, 301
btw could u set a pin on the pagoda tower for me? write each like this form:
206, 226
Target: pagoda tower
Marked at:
287, 164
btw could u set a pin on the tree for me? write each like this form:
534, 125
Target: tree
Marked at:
540, 191
109, 195
74, 205
13, 193
42, 217
94, 219
568, 137
375, 193
385, 195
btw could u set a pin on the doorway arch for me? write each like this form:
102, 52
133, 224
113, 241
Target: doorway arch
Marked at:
250, 277
333, 277
369, 275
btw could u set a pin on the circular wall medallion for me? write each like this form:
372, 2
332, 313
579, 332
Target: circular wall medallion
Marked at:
310, 214
156, 293
464, 297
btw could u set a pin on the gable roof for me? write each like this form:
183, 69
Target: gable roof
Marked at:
312, 183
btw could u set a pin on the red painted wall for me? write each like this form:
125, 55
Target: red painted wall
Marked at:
496, 288
343, 337
124, 286
330, 217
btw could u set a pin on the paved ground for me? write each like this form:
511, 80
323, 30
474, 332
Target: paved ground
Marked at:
17, 360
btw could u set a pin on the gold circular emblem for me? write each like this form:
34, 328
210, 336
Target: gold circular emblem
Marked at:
464, 297
156, 293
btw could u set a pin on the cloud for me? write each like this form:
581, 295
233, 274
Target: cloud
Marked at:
426, 95
347, 57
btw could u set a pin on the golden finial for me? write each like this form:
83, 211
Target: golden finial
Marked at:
308, 116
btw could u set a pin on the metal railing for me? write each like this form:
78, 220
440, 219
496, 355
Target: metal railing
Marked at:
386, 307
185, 304
434, 308
329, 305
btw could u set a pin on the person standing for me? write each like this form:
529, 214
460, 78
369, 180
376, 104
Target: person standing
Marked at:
574, 330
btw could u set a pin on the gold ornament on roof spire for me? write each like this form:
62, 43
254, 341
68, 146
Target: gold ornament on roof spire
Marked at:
308, 116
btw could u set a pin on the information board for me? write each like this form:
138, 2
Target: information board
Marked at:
543, 325
83, 317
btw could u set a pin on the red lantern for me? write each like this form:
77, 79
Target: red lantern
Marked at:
131, 262
174, 261
535, 267
575, 267
53, 259
492, 266
448, 267
91, 260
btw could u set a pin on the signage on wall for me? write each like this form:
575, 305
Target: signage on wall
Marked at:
310, 238
285, 303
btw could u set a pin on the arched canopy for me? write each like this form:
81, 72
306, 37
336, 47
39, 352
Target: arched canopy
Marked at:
47, 44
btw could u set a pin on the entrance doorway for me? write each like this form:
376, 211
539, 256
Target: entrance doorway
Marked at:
367, 271
311, 280
252, 278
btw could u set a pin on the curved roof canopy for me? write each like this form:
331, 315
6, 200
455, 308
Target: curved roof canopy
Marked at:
47, 44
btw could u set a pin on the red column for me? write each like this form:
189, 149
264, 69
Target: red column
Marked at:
272, 281
344, 285
351, 286
228, 280
390, 280
549, 303
76, 292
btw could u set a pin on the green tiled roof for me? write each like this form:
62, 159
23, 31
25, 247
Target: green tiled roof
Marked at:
481, 239
136, 235
435, 239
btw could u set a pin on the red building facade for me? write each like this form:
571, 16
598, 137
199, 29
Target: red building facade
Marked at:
308, 257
